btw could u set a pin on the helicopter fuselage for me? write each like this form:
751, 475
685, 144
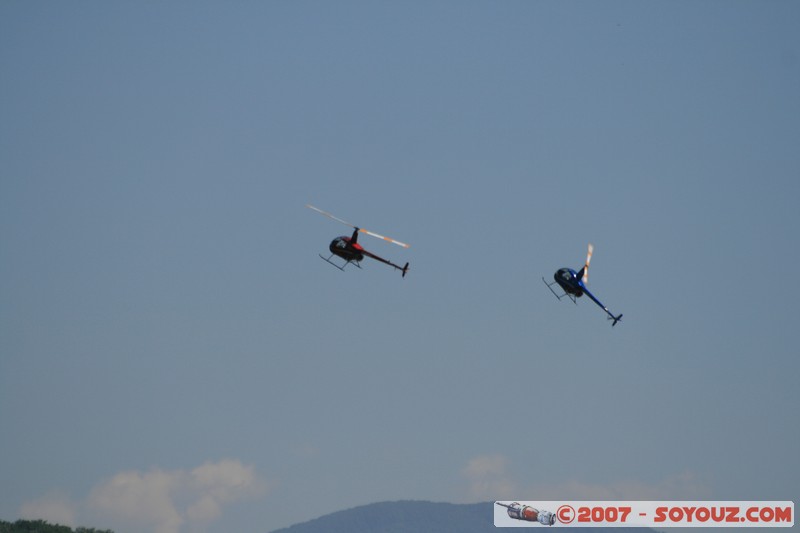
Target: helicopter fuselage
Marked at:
570, 281
346, 249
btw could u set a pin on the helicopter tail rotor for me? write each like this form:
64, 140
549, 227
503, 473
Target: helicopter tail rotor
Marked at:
585, 269
405, 270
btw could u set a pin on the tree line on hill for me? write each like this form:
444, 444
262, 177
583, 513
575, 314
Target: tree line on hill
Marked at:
42, 526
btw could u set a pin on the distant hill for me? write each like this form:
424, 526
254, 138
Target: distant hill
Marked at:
415, 517
403, 517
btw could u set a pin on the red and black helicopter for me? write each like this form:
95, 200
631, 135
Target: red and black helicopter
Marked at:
351, 251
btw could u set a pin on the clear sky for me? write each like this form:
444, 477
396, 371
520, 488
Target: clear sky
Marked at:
174, 357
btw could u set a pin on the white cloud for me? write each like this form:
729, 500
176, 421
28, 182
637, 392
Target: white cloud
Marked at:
306, 451
165, 501
683, 486
488, 478
142, 499
226, 481
204, 510
55, 508
157, 501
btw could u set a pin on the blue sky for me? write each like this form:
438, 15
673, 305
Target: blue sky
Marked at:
175, 357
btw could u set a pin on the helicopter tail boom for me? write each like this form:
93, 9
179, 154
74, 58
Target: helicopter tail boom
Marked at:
403, 269
604, 308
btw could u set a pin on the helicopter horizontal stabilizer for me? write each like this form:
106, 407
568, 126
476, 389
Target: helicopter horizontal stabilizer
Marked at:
405, 270
615, 319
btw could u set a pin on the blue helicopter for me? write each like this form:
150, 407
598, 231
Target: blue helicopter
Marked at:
574, 285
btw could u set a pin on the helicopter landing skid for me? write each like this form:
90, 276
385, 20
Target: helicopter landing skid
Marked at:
550, 286
328, 260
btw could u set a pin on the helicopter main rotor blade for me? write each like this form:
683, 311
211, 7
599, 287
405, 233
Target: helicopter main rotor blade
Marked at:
588, 260
360, 230
388, 239
320, 211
